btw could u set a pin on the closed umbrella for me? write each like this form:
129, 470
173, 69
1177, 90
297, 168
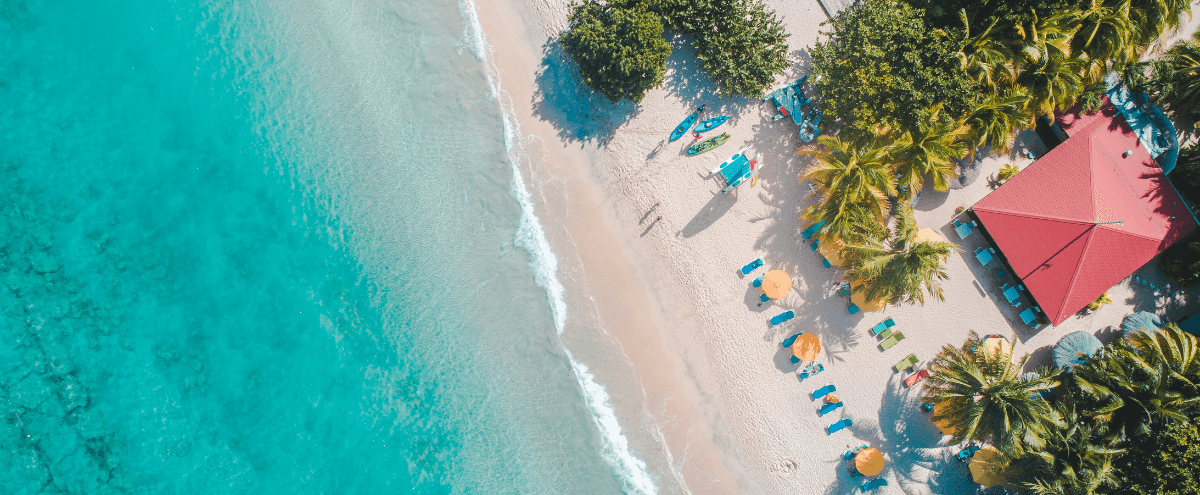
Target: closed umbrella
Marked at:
831, 249
869, 461
987, 467
1140, 321
776, 284
806, 347
1068, 349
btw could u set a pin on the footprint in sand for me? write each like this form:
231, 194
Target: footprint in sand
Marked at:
785, 466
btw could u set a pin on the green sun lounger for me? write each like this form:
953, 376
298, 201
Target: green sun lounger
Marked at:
891, 341
906, 363
885, 334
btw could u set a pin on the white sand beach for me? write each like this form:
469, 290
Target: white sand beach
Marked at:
707, 364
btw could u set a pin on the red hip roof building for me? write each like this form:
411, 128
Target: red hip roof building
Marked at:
1084, 216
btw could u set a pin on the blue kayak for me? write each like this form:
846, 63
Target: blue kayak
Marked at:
711, 124
686, 124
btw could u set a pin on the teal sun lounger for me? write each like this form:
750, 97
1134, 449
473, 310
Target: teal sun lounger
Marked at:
751, 266
836, 427
811, 370
828, 408
782, 317
823, 391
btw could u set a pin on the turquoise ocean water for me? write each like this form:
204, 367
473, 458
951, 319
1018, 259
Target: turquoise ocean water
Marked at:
277, 247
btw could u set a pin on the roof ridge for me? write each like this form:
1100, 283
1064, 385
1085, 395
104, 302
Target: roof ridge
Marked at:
1043, 217
1087, 245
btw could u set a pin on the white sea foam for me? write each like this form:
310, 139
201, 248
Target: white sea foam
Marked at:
532, 238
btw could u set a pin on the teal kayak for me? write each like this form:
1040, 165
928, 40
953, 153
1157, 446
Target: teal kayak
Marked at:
711, 124
686, 124
708, 144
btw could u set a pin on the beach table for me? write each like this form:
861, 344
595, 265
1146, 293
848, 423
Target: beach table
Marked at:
1027, 316
983, 255
962, 229
1011, 294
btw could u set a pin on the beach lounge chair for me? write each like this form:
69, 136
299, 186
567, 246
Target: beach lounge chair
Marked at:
965, 454
873, 484
906, 363
790, 340
751, 266
887, 332
851, 453
844, 289
758, 281
815, 244
828, 408
782, 317
891, 341
811, 370
836, 427
823, 391
883, 325
914, 378
853, 308
763, 298
927, 407
826, 262
812, 229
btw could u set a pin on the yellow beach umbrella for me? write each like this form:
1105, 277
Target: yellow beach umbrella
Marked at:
776, 284
943, 424
869, 461
831, 249
806, 347
993, 345
987, 467
929, 235
861, 301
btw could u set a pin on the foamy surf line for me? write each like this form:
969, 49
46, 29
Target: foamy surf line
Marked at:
532, 238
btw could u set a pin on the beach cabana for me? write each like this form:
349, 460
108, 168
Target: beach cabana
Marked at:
869, 461
943, 424
806, 347
1140, 321
1084, 216
1068, 349
776, 284
987, 467
831, 249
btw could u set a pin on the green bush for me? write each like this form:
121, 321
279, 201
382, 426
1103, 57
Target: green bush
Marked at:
1186, 176
620, 52
882, 66
1181, 261
1168, 463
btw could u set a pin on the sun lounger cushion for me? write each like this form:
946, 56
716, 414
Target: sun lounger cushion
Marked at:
763, 298
834, 428
826, 263
758, 282
915, 378
782, 317
878, 328
887, 332
873, 484
823, 391
891, 341
889, 322
753, 265
828, 408
790, 340
906, 363
852, 308
812, 370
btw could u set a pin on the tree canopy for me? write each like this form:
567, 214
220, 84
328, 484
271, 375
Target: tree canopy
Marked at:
620, 52
1168, 463
883, 67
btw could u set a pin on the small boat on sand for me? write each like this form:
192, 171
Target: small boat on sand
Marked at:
710, 124
708, 144
687, 123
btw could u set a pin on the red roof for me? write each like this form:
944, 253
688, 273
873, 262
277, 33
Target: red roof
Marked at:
1049, 220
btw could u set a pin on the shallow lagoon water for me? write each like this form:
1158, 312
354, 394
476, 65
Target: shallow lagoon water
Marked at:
270, 247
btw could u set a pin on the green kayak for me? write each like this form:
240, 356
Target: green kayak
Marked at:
708, 144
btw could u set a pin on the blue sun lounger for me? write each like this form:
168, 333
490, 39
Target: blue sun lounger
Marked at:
763, 298
828, 408
751, 266
826, 263
812, 229
782, 317
873, 484
757, 282
883, 325
851, 453
853, 308
836, 427
790, 340
811, 370
823, 391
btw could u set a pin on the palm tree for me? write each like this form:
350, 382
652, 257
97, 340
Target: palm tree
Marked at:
1136, 384
1153, 17
986, 400
985, 57
932, 149
994, 120
1176, 81
855, 180
1104, 32
1039, 39
1052, 82
1076, 460
900, 269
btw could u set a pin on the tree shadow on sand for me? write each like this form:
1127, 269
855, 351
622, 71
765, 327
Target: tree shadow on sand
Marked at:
916, 458
575, 112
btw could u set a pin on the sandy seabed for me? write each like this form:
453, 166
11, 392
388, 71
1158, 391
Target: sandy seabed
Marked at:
657, 249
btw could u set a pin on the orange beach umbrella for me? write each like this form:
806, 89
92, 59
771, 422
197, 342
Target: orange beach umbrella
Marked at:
929, 235
943, 424
860, 300
997, 345
776, 284
831, 249
806, 347
987, 467
869, 461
